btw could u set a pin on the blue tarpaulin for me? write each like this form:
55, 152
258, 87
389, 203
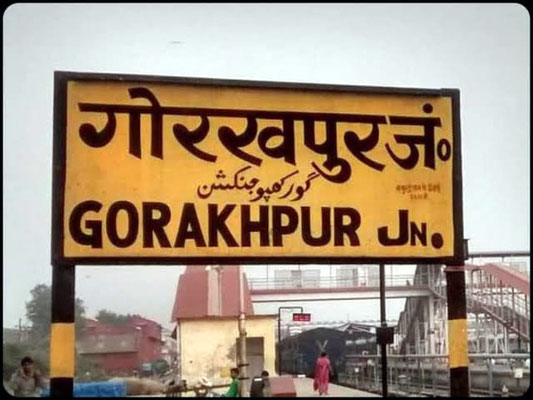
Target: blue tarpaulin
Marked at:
96, 389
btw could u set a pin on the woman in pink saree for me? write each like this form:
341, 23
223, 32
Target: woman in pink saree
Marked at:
322, 370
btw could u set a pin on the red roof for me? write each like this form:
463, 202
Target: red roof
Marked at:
149, 327
198, 296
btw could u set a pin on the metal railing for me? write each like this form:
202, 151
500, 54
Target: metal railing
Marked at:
502, 298
429, 375
506, 311
508, 258
331, 282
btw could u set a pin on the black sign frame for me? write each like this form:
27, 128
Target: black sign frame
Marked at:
61, 79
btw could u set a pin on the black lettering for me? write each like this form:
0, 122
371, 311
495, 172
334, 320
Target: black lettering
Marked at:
278, 228
217, 224
91, 137
189, 218
133, 223
157, 124
248, 226
94, 238
444, 150
326, 227
135, 134
359, 146
349, 228
284, 150
155, 226
403, 235
427, 140
328, 147
234, 142
189, 139
418, 234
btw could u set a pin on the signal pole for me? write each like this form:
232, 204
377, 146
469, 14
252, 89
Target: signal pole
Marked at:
243, 363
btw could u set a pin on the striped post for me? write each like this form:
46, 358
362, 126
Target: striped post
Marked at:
457, 331
62, 340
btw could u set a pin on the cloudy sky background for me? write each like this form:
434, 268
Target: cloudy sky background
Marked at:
482, 49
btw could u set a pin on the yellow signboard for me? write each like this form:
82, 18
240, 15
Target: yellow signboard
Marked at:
176, 170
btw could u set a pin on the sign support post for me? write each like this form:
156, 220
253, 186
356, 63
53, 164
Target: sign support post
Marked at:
457, 328
382, 300
279, 333
457, 331
384, 334
62, 331
243, 362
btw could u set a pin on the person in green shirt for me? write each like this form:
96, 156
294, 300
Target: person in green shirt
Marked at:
233, 390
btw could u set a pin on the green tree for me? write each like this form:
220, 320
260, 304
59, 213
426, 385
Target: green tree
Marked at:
109, 317
39, 311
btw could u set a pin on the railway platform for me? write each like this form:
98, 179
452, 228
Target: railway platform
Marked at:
304, 388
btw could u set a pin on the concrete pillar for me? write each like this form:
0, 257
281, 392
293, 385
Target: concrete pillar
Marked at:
478, 331
496, 338
417, 336
431, 322
426, 322
434, 375
445, 338
422, 375
490, 383
505, 340
486, 333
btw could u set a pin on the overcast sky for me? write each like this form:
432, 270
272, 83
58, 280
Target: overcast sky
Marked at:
482, 49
